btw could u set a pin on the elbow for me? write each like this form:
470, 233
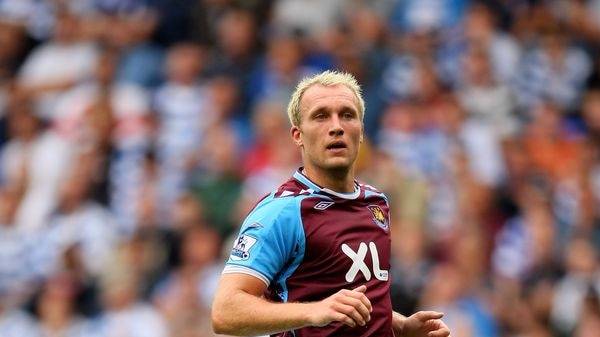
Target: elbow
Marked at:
219, 322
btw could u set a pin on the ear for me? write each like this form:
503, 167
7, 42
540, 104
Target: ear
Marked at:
296, 135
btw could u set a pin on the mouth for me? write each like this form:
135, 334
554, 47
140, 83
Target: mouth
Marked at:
337, 146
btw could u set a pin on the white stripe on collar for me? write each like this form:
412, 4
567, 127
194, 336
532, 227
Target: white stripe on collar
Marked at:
298, 175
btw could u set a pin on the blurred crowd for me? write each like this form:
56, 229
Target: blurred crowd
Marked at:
135, 135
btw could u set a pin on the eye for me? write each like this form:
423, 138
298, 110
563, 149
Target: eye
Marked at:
320, 116
348, 115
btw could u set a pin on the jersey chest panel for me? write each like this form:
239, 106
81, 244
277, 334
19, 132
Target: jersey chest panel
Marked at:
345, 233
347, 245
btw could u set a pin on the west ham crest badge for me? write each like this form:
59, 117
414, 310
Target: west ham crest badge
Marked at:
379, 217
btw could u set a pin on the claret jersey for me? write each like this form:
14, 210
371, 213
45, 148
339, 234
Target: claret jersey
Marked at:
306, 243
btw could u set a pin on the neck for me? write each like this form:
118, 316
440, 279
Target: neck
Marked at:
340, 180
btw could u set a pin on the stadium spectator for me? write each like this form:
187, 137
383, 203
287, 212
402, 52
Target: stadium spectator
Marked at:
184, 115
482, 131
44, 74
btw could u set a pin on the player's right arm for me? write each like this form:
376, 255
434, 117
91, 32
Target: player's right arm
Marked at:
239, 309
269, 247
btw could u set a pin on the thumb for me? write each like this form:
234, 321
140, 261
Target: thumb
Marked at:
424, 316
360, 289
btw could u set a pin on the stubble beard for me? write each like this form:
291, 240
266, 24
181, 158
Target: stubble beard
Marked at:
338, 171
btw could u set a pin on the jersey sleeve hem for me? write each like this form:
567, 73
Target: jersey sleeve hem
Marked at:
231, 269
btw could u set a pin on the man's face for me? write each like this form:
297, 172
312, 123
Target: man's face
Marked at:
330, 130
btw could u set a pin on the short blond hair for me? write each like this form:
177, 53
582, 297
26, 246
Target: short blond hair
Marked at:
329, 78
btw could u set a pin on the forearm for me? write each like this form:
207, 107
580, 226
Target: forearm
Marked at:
244, 314
40, 88
239, 309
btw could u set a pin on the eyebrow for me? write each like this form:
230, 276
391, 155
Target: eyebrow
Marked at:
325, 108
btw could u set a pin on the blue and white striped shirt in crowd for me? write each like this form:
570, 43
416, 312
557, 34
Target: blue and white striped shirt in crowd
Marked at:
17, 323
19, 268
540, 78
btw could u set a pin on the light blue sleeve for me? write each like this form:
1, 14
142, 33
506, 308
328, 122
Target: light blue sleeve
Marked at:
270, 238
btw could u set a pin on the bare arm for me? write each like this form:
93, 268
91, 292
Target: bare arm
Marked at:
56, 85
420, 324
239, 309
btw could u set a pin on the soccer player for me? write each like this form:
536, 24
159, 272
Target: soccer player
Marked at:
312, 257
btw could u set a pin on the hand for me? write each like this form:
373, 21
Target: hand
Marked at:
351, 307
421, 324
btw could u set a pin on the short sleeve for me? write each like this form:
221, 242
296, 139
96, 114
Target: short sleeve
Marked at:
268, 239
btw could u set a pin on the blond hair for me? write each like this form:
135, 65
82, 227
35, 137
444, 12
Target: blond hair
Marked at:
329, 78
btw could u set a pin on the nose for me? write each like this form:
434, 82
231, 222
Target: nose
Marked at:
336, 128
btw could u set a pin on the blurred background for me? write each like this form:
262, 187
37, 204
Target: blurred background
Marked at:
135, 135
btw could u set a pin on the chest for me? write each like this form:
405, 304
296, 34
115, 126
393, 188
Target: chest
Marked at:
348, 238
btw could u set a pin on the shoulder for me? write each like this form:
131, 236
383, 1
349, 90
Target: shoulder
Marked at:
292, 188
363, 185
281, 204
286, 194
370, 190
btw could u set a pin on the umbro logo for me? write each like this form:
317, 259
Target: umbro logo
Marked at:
323, 205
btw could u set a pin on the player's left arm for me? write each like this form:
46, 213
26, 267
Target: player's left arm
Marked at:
420, 324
